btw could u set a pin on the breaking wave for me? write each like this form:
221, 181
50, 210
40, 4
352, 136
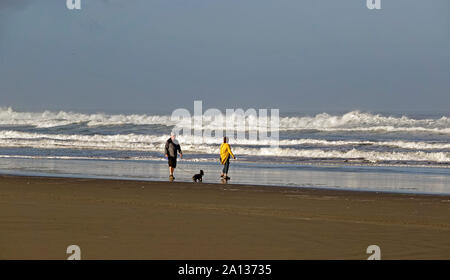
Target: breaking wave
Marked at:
9, 138
409, 139
154, 143
352, 121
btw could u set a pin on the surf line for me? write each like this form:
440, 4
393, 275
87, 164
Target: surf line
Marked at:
195, 270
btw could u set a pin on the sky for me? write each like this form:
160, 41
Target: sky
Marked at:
153, 56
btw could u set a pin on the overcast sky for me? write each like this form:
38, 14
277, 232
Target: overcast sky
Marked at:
152, 56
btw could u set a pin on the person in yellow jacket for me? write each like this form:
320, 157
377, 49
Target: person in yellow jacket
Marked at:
225, 153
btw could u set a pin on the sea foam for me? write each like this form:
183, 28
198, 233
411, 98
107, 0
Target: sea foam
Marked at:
352, 121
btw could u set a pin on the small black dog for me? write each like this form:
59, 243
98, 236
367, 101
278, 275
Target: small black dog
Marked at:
198, 177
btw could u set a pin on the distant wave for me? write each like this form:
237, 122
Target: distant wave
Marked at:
49, 119
409, 139
156, 144
10, 138
359, 121
352, 121
373, 157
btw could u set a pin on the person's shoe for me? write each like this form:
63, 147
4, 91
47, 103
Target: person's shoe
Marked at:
171, 177
227, 178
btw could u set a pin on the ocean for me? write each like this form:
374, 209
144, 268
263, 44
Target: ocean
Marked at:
354, 150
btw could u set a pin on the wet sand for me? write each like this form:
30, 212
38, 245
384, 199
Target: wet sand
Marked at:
114, 219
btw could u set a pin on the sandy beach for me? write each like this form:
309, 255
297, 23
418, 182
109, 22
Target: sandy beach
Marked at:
114, 219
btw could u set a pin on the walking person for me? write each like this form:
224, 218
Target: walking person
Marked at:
171, 151
225, 154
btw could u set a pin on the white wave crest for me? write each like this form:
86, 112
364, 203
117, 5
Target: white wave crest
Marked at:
358, 121
372, 156
352, 121
156, 143
9, 138
52, 119
143, 142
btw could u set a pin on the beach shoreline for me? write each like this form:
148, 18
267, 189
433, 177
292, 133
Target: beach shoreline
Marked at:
358, 178
128, 219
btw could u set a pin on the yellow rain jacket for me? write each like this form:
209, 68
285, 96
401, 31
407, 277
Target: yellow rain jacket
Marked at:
225, 152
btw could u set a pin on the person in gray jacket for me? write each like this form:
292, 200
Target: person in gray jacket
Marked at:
171, 151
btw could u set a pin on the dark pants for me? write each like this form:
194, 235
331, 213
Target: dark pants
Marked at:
226, 165
173, 162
